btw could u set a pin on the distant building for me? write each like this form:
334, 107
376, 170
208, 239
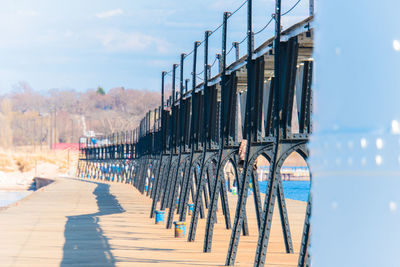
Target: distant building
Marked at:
65, 146
288, 173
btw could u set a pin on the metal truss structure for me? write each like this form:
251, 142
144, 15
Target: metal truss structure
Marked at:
179, 150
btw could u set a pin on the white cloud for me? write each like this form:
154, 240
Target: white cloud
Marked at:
109, 13
115, 40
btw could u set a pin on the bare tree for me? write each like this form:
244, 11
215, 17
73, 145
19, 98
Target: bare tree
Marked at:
30, 118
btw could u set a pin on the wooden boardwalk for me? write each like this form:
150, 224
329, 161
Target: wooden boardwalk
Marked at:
83, 223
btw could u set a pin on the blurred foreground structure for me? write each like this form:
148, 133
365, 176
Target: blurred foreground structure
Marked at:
355, 144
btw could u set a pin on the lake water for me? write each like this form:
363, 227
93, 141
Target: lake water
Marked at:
7, 197
297, 190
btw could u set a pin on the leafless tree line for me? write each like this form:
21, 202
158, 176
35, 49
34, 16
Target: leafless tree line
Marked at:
28, 117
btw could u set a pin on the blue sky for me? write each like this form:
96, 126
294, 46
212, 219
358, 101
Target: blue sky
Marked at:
83, 44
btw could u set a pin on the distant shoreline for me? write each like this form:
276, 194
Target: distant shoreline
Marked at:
10, 195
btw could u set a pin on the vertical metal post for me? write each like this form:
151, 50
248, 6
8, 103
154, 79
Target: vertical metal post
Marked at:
217, 183
173, 105
148, 122
236, 46
205, 73
193, 223
181, 80
219, 62
304, 255
171, 134
186, 85
162, 97
263, 237
188, 179
194, 77
173, 83
181, 139
311, 7
154, 132
241, 204
224, 32
158, 118
208, 72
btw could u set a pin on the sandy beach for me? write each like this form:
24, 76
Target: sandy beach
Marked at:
20, 165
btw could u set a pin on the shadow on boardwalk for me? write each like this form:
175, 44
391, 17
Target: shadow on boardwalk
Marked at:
85, 243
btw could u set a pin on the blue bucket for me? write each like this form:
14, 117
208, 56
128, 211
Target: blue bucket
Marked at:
160, 216
180, 229
145, 188
191, 206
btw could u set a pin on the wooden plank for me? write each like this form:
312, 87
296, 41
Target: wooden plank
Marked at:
82, 223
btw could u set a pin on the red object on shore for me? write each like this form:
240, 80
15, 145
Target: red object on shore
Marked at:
65, 146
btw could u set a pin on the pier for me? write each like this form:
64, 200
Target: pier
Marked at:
74, 222
271, 139
257, 106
